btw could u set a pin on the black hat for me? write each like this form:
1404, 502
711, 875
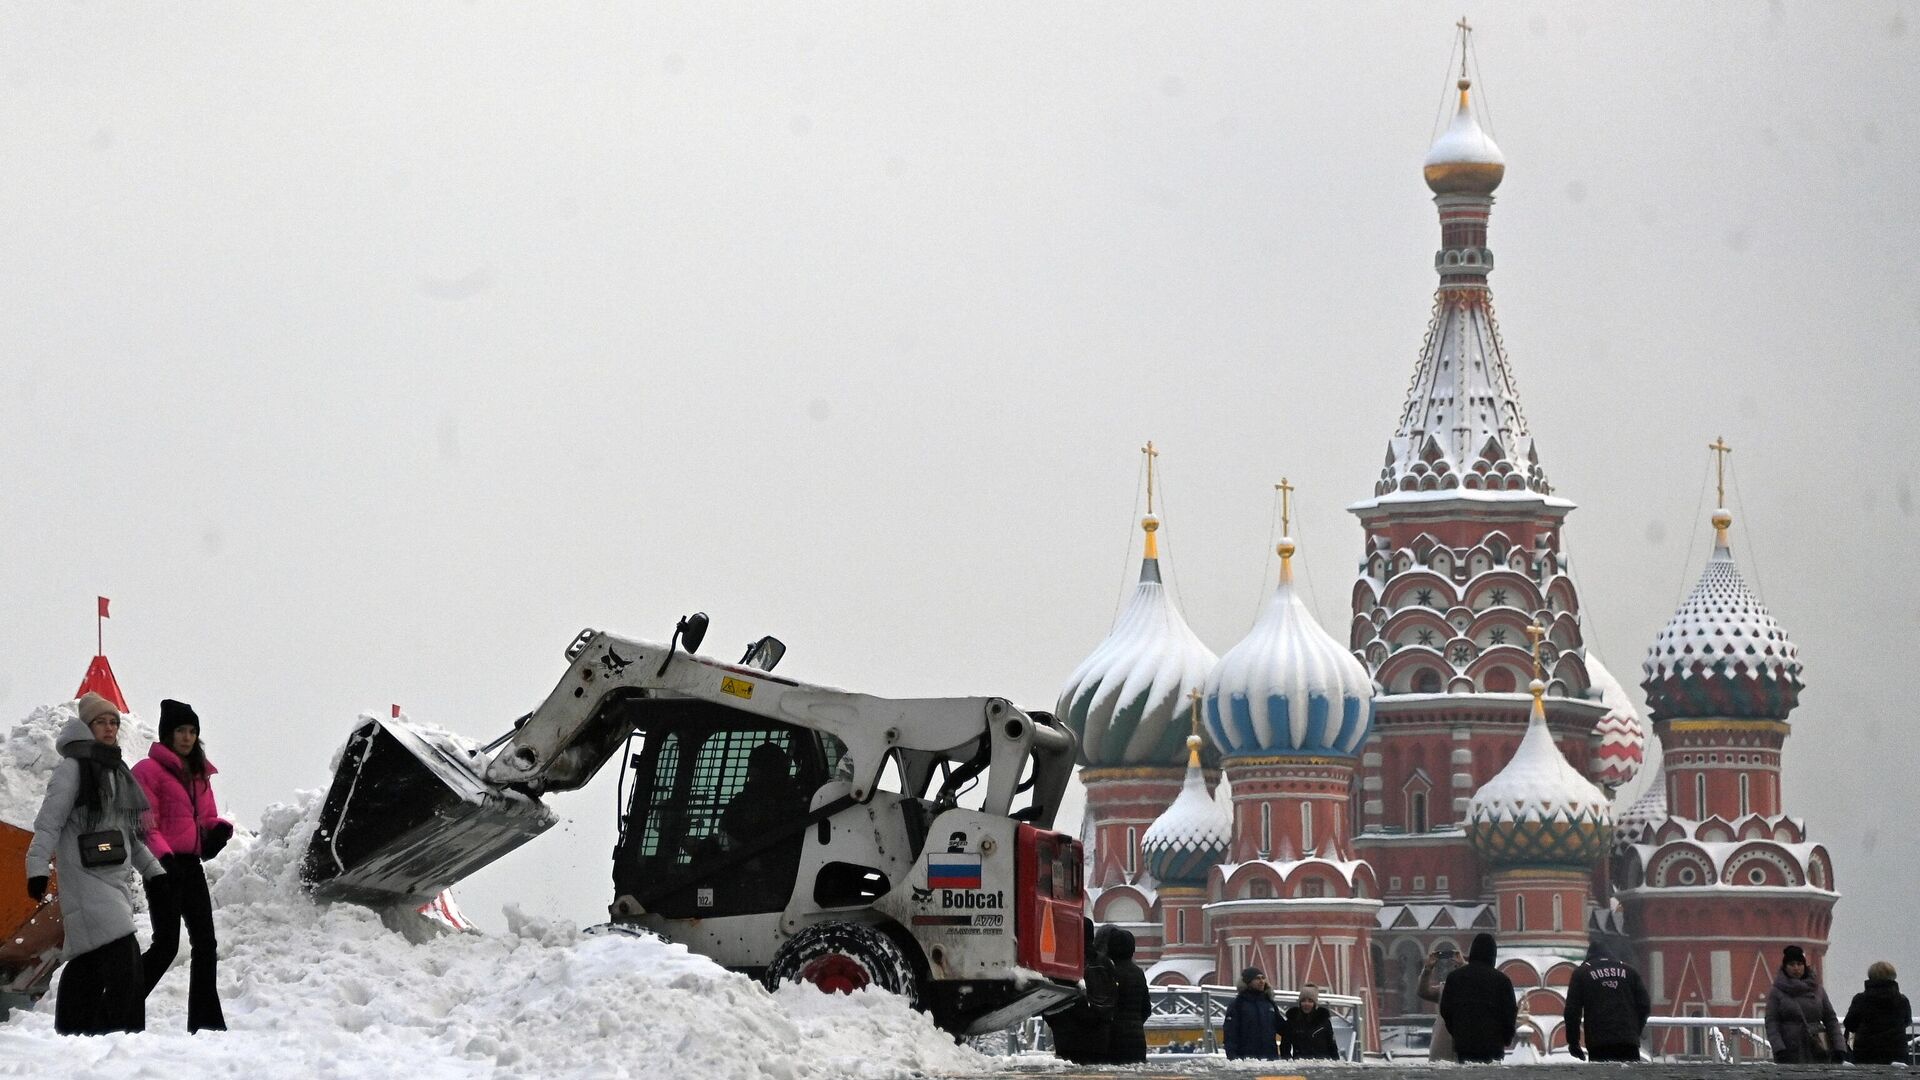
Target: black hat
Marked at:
175, 714
1251, 974
1792, 954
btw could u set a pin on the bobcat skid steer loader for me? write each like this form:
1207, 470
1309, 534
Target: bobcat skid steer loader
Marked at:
790, 831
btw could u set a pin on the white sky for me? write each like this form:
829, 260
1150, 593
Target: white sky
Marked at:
364, 355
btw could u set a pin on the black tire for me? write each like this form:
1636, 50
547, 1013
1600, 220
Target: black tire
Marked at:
840, 957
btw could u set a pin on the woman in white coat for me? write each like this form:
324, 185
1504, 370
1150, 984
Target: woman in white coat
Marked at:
93, 795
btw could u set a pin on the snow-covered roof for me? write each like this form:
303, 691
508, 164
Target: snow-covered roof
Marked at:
1636, 824
1346, 868
1560, 815
1192, 834
1464, 159
1190, 969
1288, 687
1127, 700
1722, 654
1459, 917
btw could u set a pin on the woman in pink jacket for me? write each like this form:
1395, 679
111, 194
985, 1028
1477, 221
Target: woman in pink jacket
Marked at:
184, 828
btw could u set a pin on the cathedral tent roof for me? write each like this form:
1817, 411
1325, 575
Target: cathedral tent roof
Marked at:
1722, 654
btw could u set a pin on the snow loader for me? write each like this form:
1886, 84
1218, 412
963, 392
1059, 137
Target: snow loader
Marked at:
786, 830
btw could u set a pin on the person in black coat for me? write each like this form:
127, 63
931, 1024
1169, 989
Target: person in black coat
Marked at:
1127, 1037
1878, 1019
1083, 1030
1307, 1029
1801, 1026
1478, 1005
1608, 1001
1253, 1020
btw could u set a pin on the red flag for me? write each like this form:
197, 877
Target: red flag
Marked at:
103, 608
396, 712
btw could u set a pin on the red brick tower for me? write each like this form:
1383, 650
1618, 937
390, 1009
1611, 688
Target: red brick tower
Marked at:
1128, 703
1715, 877
1289, 709
1463, 553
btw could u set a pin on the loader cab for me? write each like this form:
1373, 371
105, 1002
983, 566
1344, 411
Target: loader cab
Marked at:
712, 826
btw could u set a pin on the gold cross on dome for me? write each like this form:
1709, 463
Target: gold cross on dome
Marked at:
1286, 506
1151, 454
1536, 632
1464, 29
1194, 695
1720, 451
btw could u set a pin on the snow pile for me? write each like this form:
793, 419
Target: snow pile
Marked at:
329, 991
27, 758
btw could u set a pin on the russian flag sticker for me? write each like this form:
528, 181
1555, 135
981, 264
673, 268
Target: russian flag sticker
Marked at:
953, 871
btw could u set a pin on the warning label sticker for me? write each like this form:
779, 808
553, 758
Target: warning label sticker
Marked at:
739, 688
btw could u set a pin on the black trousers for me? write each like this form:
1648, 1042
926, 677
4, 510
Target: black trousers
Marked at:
1614, 1053
186, 900
100, 991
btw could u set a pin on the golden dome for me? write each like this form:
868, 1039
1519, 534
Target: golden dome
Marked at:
1463, 160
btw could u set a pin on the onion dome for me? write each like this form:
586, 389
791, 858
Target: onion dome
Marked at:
1288, 687
1539, 810
1124, 701
1722, 655
1463, 160
1637, 822
1193, 835
1622, 739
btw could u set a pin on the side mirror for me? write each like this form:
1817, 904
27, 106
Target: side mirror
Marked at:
692, 631
765, 653
689, 631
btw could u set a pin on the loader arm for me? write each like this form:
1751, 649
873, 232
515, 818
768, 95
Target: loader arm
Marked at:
409, 813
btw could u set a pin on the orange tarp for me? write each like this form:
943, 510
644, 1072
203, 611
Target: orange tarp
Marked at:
14, 905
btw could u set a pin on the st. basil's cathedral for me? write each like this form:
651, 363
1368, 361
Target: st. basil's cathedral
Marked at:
1452, 768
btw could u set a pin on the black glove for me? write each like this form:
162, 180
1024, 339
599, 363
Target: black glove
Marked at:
159, 890
1576, 1051
37, 888
169, 862
214, 838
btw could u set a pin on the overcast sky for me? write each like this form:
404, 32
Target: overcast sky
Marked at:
364, 355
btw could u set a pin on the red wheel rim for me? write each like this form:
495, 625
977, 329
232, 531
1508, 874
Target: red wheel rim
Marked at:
836, 973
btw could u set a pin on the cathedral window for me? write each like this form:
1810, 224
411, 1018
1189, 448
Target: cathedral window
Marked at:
1313, 887
1260, 889
1745, 786
1417, 812
1558, 917
1180, 925
1700, 795
1520, 913
1427, 682
1133, 850
1266, 829
1306, 827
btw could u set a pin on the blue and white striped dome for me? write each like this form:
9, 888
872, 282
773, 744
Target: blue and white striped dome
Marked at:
1288, 687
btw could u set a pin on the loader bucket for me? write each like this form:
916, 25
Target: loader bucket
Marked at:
408, 815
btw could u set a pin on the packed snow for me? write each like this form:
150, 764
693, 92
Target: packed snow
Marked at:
329, 991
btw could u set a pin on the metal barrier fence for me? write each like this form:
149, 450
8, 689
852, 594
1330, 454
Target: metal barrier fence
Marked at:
1729, 1040
1190, 1020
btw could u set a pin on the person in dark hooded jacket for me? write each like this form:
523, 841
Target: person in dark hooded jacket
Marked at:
1253, 1020
1609, 1004
1878, 1018
1082, 1031
1799, 1016
1306, 1031
1127, 1037
1478, 1005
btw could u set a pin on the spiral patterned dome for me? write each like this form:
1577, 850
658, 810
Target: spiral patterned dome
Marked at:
1126, 700
1539, 810
1192, 836
1288, 687
1722, 655
1623, 741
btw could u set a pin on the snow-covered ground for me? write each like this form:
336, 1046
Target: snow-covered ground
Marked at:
328, 991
